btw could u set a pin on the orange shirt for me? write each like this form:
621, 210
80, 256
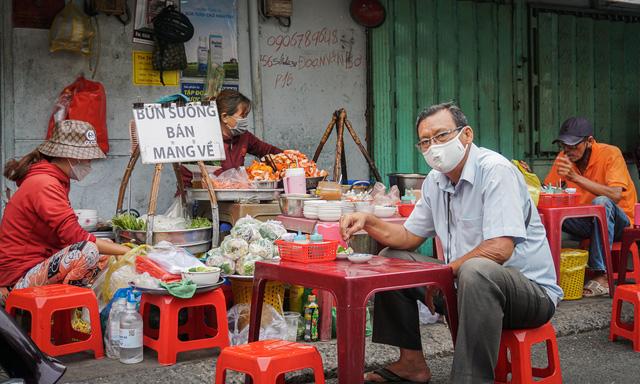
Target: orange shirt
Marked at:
607, 167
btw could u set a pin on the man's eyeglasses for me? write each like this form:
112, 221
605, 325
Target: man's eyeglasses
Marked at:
567, 147
440, 138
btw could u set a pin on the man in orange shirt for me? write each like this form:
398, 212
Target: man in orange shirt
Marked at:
599, 173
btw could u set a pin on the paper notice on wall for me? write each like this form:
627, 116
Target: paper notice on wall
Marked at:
179, 134
146, 10
212, 53
144, 74
194, 91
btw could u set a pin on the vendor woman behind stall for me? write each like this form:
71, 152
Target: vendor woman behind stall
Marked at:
41, 241
233, 108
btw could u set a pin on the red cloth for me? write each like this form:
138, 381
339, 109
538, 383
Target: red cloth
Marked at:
235, 150
38, 221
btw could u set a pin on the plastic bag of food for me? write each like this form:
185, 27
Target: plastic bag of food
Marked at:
248, 231
165, 223
262, 248
381, 197
272, 230
227, 265
246, 265
234, 248
272, 324
173, 259
234, 178
107, 283
145, 280
248, 220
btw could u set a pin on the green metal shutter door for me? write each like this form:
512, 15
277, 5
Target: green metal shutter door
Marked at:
585, 64
432, 51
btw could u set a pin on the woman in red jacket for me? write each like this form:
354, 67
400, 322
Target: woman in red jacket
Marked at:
233, 108
41, 241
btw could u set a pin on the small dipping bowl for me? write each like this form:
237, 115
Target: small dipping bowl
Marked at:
360, 258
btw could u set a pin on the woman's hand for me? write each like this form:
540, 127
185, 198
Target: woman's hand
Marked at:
352, 223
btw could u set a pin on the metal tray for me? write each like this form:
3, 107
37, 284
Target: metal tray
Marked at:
164, 292
236, 195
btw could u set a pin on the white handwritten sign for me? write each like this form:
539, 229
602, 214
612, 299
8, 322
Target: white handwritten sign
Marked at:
178, 134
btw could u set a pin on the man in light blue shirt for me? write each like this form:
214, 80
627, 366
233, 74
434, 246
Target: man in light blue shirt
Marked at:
477, 203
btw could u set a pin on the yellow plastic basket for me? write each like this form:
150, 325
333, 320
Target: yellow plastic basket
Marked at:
273, 293
573, 263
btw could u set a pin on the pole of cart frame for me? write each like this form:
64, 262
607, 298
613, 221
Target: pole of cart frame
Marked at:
153, 202
215, 214
325, 137
364, 151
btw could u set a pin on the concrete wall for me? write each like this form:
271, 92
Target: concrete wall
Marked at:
295, 115
310, 70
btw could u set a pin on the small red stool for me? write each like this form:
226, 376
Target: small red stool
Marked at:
267, 361
56, 301
165, 340
633, 249
631, 331
519, 342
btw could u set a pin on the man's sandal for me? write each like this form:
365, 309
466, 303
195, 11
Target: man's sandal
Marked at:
595, 289
390, 377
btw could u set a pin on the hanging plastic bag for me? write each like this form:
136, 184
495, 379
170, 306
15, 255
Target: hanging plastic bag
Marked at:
71, 30
120, 272
83, 100
533, 183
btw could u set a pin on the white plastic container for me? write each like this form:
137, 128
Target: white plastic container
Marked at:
131, 349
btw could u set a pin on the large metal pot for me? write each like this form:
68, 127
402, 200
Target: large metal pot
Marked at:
406, 181
194, 240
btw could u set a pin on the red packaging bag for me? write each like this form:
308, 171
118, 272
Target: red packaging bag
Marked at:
83, 100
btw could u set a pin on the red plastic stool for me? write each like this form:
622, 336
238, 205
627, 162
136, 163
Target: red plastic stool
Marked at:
56, 301
615, 253
631, 331
165, 340
519, 342
267, 361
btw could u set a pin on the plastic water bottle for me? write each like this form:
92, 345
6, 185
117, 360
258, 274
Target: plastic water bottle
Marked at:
113, 341
130, 333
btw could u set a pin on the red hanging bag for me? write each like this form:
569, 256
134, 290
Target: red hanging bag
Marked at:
83, 100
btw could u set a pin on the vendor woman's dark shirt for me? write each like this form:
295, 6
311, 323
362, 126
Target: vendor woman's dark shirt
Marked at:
237, 147
235, 150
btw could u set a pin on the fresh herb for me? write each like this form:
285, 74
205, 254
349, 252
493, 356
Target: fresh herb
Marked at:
199, 222
128, 222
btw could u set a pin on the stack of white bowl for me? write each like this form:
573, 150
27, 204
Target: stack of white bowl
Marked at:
330, 211
310, 208
348, 207
87, 218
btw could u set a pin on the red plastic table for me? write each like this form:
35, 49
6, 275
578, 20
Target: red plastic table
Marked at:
351, 285
552, 219
305, 225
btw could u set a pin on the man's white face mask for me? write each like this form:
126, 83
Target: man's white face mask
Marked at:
446, 156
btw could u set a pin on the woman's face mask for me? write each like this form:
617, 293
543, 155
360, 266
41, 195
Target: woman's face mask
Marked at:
446, 156
242, 125
80, 169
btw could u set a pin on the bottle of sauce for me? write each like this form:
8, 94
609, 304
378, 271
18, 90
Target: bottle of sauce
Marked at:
311, 316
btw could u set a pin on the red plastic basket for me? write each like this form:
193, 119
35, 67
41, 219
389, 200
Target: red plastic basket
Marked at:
554, 200
307, 253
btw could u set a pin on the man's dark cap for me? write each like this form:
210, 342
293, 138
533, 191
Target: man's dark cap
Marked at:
574, 130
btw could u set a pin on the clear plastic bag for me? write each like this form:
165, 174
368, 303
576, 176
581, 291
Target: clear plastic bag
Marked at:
234, 248
112, 279
71, 30
381, 197
273, 324
234, 178
172, 259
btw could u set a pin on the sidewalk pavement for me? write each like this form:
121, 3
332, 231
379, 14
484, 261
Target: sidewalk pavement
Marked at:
572, 318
